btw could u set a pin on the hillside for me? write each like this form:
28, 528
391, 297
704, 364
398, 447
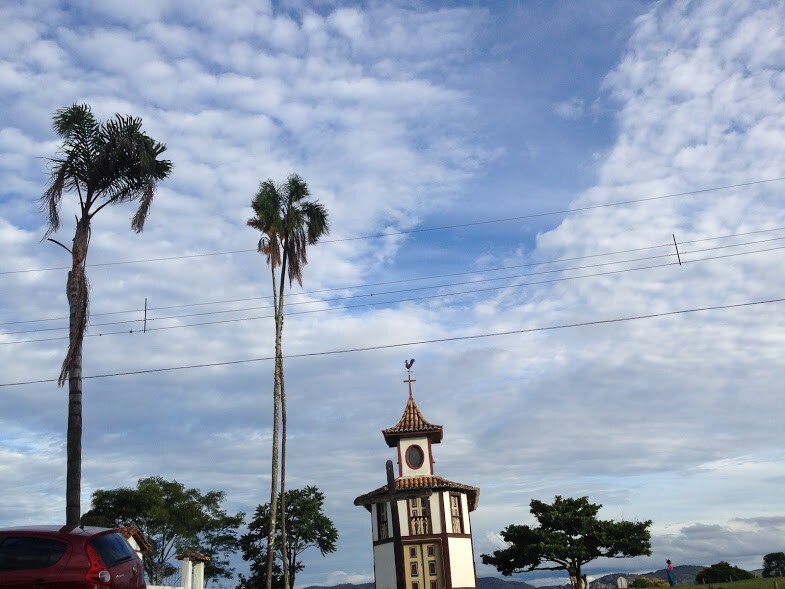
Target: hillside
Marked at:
482, 582
685, 575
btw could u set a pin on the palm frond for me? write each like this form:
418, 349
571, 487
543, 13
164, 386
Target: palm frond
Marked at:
147, 193
289, 223
75, 122
114, 161
267, 209
50, 200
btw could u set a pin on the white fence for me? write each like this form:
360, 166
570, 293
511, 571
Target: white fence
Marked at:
191, 576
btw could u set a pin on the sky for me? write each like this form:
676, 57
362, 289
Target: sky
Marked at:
569, 213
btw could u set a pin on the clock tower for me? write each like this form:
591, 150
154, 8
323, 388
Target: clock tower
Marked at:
420, 525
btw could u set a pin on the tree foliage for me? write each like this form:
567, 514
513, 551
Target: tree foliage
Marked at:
307, 527
100, 163
722, 572
173, 519
774, 564
289, 224
569, 535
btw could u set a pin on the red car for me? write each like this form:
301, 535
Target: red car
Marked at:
68, 558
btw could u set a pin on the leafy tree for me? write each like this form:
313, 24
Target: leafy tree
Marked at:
289, 224
258, 570
173, 519
774, 564
103, 163
307, 527
722, 572
568, 537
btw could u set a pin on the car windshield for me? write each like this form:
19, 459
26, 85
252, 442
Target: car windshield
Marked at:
29, 552
112, 548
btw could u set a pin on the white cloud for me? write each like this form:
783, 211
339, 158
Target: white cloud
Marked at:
570, 109
378, 110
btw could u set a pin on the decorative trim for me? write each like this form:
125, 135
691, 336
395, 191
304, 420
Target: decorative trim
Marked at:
385, 541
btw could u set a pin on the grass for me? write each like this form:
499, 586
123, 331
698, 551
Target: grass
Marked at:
759, 583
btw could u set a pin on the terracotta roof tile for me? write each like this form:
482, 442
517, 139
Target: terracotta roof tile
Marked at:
194, 556
433, 482
412, 422
133, 532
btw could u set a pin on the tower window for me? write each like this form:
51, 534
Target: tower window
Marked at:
419, 517
456, 513
381, 521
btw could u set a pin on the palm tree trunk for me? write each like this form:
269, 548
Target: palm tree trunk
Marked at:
73, 476
76, 291
273, 482
279, 360
268, 579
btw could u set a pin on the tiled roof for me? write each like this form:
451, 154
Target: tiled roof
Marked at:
412, 422
133, 532
433, 482
194, 556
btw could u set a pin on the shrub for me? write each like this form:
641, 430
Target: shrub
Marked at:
643, 582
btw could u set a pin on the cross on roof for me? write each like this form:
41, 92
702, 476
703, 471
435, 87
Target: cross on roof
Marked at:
410, 380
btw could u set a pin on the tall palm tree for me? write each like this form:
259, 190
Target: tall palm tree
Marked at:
103, 163
289, 224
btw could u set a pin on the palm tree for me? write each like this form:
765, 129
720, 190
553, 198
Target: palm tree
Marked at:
103, 163
289, 224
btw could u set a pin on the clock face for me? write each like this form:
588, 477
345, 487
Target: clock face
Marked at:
414, 456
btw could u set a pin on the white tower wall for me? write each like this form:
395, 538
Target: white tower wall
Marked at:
461, 562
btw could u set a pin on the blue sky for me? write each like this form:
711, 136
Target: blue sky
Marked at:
403, 117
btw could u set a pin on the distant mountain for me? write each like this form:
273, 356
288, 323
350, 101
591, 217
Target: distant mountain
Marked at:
685, 575
497, 583
344, 586
482, 583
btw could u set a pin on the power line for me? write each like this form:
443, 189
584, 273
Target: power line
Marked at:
151, 319
427, 297
385, 283
428, 229
417, 343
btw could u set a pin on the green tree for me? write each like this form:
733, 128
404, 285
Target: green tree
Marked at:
289, 224
173, 519
774, 564
569, 536
307, 527
722, 572
102, 163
